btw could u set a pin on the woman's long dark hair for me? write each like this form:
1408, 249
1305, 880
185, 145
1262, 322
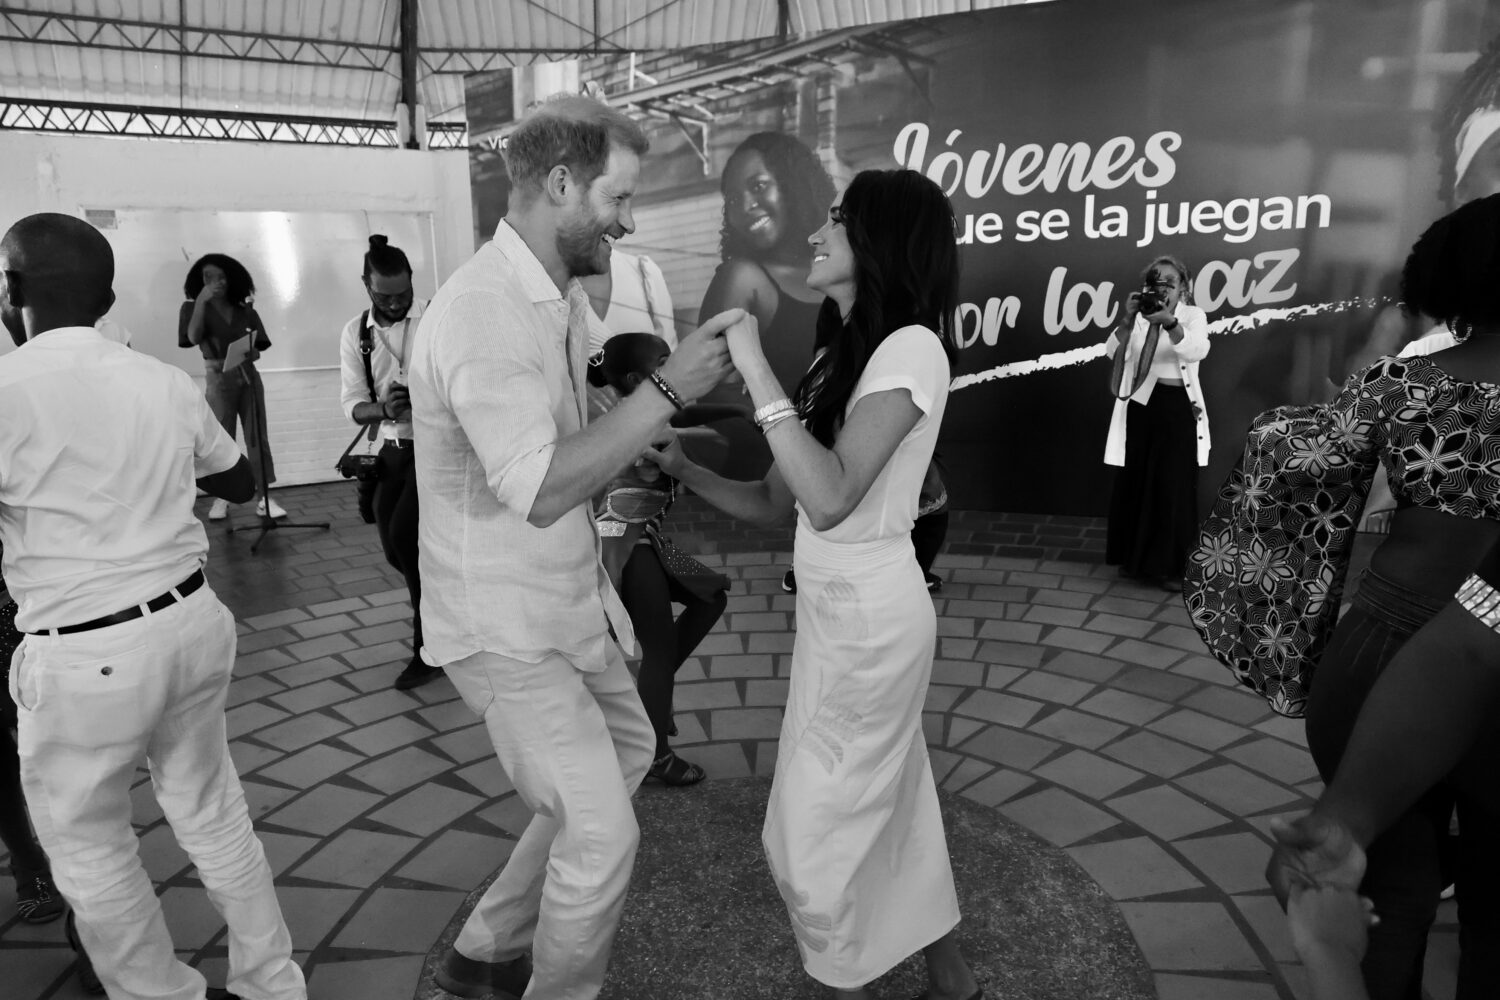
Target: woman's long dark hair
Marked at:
241, 285
806, 190
902, 234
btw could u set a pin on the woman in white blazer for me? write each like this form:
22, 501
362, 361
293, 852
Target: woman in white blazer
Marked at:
1158, 436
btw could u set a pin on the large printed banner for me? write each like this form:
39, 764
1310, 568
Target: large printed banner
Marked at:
1286, 152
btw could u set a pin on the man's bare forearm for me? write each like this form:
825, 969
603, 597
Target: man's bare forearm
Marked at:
585, 462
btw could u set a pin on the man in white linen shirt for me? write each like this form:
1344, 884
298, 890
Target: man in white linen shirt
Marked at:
516, 606
127, 651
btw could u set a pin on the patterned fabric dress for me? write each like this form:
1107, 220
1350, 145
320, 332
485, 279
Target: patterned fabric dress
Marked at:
1264, 584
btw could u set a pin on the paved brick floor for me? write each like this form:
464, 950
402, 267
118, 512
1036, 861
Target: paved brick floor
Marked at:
1078, 705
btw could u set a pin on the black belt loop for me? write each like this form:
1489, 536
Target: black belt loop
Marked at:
157, 603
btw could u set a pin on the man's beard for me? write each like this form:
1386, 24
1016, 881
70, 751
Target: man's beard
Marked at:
580, 247
387, 317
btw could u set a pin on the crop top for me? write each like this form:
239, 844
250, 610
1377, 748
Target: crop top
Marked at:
1439, 437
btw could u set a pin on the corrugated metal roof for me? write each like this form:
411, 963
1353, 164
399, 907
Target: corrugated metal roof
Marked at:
339, 58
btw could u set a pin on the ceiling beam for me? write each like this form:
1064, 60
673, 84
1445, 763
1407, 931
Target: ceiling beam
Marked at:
176, 123
163, 38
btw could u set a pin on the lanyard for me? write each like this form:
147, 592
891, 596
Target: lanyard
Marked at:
405, 332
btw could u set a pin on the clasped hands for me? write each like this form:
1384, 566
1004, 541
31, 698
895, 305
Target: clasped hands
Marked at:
1315, 871
728, 341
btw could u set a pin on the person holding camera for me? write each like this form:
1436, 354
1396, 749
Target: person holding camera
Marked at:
1158, 435
374, 352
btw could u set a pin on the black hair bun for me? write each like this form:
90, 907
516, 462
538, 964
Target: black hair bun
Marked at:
378, 241
597, 376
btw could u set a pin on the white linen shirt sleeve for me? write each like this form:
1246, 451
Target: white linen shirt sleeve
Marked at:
214, 451
661, 301
353, 387
496, 383
912, 358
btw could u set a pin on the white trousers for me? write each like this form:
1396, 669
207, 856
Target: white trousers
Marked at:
91, 705
576, 746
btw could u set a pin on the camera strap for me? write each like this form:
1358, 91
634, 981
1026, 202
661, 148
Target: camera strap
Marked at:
357, 435
1142, 363
366, 345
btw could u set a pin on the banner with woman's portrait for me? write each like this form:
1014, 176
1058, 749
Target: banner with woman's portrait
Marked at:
1287, 153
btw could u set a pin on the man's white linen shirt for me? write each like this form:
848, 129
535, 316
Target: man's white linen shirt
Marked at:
492, 394
390, 346
99, 449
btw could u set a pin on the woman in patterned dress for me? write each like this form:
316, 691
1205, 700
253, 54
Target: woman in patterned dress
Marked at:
1436, 421
650, 572
853, 835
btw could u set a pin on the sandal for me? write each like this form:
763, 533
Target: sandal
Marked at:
674, 772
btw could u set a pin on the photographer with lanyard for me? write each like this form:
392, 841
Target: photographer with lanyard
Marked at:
374, 352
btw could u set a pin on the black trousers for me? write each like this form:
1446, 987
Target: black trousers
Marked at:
396, 520
927, 535
1405, 863
647, 590
1153, 514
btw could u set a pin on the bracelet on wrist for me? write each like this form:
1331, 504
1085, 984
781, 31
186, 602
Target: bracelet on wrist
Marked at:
1479, 599
672, 395
776, 418
771, 409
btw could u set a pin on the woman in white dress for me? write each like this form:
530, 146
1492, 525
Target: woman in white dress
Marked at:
853, 834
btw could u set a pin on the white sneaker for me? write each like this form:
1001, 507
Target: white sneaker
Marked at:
276, 510
219, 510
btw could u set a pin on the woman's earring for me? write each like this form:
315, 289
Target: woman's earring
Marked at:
1460, 328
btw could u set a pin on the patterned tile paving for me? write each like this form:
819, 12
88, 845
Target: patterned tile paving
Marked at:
1079, 705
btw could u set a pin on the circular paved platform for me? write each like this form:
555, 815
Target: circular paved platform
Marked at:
703, 919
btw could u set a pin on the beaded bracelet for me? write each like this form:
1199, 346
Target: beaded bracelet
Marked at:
667, 390
776, 418
1480, 600
771, 409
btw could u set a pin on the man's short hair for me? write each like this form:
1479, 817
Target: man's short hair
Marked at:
572, 130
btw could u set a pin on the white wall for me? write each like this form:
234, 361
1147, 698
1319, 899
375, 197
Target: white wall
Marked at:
65, 173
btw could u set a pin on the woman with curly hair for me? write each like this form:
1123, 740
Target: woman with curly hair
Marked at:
1436, 422
775, 193
217, 311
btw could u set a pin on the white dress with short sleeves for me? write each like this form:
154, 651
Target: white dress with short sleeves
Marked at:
853, 835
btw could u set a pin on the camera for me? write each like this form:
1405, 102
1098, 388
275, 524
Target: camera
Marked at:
1150, 301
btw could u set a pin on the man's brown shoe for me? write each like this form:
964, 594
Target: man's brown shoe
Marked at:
471, 978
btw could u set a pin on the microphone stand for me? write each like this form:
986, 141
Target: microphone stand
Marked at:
267, 522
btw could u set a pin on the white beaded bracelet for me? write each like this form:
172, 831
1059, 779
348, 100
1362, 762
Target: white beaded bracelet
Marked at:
776, 418
771, 409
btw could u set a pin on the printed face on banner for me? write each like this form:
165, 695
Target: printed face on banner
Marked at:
598, 215
753, 203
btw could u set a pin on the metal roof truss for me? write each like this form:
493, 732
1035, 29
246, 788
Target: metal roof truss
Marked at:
113, 119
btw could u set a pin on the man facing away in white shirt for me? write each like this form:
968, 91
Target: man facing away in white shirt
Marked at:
127, 651
516, 606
